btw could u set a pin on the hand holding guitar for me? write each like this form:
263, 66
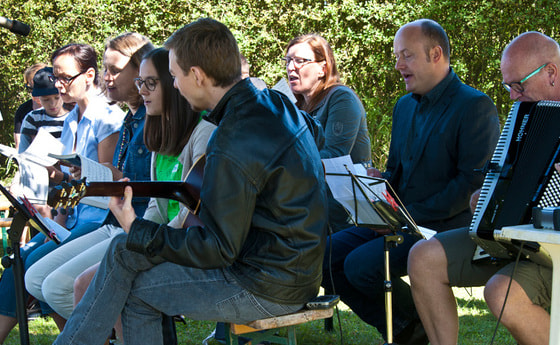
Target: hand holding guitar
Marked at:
122, 208
67, 195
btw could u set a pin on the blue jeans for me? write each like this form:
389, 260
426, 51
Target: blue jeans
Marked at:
31, 252
357, 261
130, 285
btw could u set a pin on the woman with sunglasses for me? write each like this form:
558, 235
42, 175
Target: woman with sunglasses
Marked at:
91, 128
177, 137
315, 82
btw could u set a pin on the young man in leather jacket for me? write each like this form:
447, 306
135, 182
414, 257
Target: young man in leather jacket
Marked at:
260, 250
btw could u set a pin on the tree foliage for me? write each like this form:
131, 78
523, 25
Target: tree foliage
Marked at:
360, 31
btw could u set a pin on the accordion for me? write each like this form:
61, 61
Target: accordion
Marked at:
519, 177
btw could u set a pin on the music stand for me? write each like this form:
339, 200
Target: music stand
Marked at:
22, 215
388, 213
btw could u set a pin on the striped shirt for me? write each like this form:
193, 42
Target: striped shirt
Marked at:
39, 118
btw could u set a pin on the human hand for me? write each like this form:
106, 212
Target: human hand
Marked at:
76, 172
373, 172
122, 208
382, 232
52, 172
474, 199
117, 174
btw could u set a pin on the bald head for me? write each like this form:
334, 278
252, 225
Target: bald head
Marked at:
421, 49
524, 55
534, 47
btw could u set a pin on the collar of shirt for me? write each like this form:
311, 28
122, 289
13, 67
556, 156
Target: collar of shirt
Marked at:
433, 96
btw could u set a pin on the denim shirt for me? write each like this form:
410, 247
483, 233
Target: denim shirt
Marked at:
136, 157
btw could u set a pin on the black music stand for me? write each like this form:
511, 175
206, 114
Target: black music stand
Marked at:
21, 216
392, 215
14, 234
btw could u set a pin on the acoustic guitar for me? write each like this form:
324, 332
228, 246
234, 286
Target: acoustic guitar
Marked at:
68, 195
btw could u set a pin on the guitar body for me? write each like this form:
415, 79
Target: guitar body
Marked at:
68, 195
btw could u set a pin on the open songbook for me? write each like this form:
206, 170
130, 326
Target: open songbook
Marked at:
370, 202
44, 151
33, 177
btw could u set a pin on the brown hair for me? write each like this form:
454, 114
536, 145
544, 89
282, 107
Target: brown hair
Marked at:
168, 133
323, 52
210, 45
134, 46
84, 55
436, 36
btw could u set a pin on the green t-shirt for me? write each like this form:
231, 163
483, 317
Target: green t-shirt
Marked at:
168, 168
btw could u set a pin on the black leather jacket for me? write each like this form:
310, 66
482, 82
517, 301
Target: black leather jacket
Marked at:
263, 201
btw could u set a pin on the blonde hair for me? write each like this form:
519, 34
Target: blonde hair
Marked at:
134, 46
29, 73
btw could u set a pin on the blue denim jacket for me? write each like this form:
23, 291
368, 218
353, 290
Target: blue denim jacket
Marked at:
136, 164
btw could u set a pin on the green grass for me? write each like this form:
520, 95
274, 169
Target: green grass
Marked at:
476, 327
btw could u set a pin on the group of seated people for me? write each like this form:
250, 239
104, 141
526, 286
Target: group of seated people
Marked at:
269, 233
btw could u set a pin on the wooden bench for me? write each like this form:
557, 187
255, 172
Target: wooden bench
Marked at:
267, 329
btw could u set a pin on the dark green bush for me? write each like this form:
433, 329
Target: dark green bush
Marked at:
360, 32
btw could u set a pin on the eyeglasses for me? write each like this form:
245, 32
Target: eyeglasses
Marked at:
64, 80
516, 85
299, 62
150, 83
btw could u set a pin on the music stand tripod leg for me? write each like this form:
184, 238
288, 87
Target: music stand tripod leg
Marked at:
15, 232
390, 241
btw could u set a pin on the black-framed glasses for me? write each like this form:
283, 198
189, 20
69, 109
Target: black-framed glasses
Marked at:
64, 80
150, 83
516, 85
299, 62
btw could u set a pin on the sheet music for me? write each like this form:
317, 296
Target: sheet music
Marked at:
33, 176
43, 144
355, 200
37, 152
427, 233
60, 232
94, 171
48, 227
33, 182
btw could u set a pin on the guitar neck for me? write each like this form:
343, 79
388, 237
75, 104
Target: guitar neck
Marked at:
179, 191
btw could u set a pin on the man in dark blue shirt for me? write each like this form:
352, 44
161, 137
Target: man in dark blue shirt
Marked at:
442, 131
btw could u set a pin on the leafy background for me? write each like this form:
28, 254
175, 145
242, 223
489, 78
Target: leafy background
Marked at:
360, 32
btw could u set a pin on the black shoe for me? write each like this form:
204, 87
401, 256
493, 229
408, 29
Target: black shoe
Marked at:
33, 310
413, 334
